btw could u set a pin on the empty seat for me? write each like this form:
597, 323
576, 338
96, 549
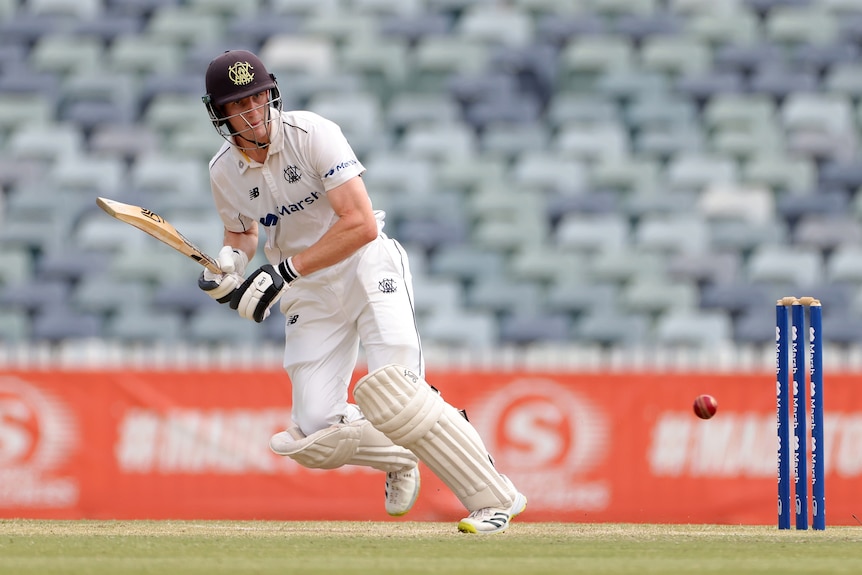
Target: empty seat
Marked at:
675, 55
612, 328
692, 328
289, 54
358, 115
557, 27
508, 141
414, 28
785, 264
406, 108
103, 293
627, 173
742, 235
398, 172
725, 24
672, 234
511, 296
144, 54
102, 176
436, 59
431, 293
695, 172
827, 232
217, 325
844, 78
654, 110
46, 141
31, 296
703, 86
495, 24
142, 324
592, 142
602, 232
801, 25
824, 112
712, 267
778, 83
352, 27
437, 141
84, 9
781, 173
623, 85
58, 323
14, 326
184, 26
67, 54
546, 263
663, 143
736, 296
655, 295
466, 263
255, 28
845, 265
585, 58
624, 265
549, 171
125, 141
737, 201
383, 63
522, 329
503, 108
580, 298
511, 231
182, 177
757, 325
16, 265
460, 328
431, 233
739, 111
183, 296
71, 264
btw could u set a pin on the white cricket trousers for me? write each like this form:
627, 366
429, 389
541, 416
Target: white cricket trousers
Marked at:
366, 299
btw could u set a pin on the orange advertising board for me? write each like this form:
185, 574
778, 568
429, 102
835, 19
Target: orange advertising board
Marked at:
583, 447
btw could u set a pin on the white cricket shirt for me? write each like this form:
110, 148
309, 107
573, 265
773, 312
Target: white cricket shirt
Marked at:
286, 195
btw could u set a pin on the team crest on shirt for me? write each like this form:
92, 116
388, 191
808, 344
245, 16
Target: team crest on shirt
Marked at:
387, 285
292, 175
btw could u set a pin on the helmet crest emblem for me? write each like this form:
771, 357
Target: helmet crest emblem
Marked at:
241, 73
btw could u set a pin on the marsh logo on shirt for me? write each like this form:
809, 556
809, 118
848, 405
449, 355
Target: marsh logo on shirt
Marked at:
271, 219
339, 167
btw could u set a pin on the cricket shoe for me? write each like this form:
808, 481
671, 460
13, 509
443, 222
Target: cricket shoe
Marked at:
491, 519
402, 489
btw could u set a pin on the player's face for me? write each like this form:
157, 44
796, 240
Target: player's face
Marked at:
248, 117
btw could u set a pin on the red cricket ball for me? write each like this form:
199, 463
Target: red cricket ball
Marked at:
705, 406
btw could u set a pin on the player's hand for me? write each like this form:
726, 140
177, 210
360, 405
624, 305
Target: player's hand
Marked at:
258, 293
221, 286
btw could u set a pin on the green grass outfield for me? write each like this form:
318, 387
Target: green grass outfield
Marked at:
404, 548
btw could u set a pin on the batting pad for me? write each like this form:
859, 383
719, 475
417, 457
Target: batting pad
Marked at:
355, 443
412, 414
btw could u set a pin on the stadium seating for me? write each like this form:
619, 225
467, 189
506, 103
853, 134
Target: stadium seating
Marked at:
611, 172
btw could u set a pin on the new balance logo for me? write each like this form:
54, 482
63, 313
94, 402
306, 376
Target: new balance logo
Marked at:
253, 193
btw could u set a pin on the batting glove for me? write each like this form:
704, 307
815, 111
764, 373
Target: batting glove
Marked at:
221, 286
258, 293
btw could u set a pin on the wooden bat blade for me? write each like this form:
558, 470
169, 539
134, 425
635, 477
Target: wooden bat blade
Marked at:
158, 227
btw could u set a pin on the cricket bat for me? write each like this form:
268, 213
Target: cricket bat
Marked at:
159, 228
